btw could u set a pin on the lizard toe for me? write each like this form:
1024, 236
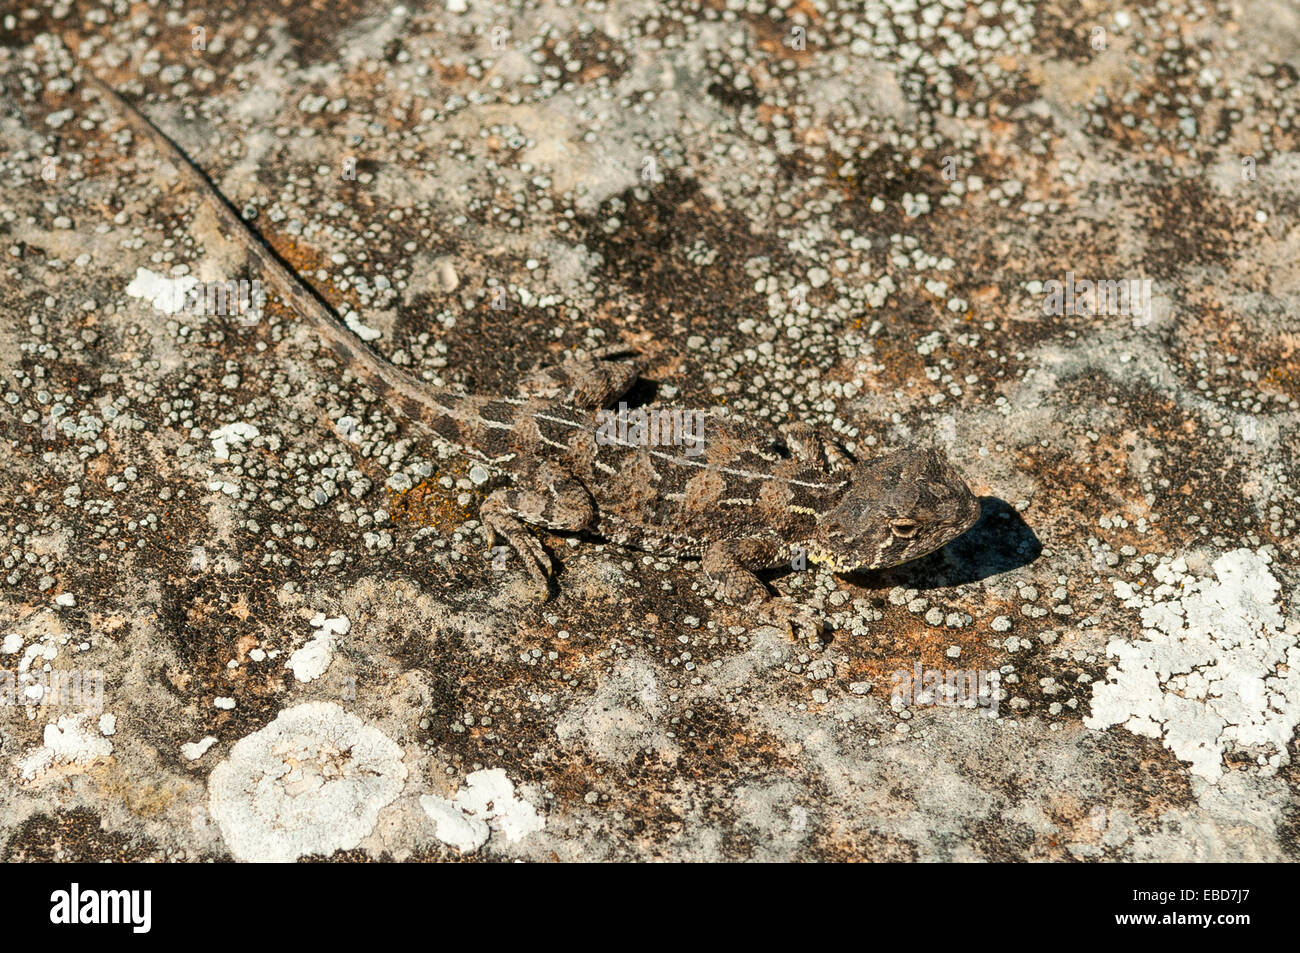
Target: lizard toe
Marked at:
796, 620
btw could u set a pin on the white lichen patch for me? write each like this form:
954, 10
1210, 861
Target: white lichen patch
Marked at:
311, 782
486, 803
193, 750
236, 433
165, 294
624, 716
70, 740
454, 827
311, 661
359, 329
1216, 668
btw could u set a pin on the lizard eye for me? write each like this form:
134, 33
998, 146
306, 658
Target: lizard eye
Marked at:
903, 529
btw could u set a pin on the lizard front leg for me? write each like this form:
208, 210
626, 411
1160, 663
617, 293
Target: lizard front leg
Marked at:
546, 497
730, 563
810, 445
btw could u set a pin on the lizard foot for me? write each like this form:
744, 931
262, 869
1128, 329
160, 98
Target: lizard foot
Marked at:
726, 563
549, 497
796, 620
499, 522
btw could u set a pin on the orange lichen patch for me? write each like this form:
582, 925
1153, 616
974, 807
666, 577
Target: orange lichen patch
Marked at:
451, 73
106, 624
984, 295
142, 800
1285, 378
841, 845
594, 71
427, 504
926, 646
767, 112
179, 678
905, 367
807, 9
306, 261
1095, 485
99, 466
775, 37
570, 780
1106, 461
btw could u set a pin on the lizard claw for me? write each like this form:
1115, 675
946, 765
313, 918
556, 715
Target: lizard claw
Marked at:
539, 567
795, 619
535, 558
538, 564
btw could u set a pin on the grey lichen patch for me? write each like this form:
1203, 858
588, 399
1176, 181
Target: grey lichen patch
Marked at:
311, 782
627, 714
1215, 672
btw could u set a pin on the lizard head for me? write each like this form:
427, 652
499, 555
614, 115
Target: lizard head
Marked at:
896, 508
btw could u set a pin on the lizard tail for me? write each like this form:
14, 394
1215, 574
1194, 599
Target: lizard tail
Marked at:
413, 400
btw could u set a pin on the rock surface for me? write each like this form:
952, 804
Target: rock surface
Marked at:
244, 609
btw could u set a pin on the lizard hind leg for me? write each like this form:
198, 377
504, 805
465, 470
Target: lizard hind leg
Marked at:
546, 497
589, 381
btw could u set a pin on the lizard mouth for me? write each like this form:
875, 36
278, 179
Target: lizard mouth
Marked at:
835, 562
849, 562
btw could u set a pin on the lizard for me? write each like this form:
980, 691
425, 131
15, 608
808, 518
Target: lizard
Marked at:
741, 500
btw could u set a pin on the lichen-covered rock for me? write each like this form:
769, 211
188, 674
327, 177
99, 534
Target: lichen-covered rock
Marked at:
1057, 241
311, 782
1215, 667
